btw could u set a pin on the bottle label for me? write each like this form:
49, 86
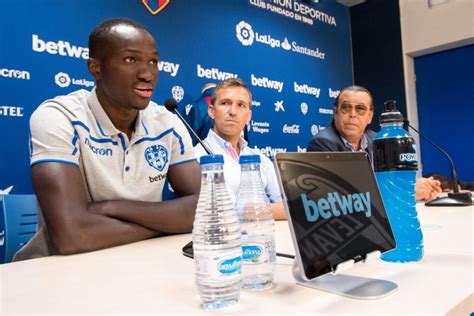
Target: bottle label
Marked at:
226, 265
392, 154
256, 251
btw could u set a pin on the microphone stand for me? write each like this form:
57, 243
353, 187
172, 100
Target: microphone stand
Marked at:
455, 198
172, 106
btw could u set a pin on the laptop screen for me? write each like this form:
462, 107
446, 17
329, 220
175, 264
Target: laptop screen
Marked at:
334, 208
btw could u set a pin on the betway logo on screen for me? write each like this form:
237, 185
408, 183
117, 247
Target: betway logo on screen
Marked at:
247, 36
63, 48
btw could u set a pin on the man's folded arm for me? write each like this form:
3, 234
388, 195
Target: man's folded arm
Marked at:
72, 225
172, 216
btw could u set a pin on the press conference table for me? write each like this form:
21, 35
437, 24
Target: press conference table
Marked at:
153, 277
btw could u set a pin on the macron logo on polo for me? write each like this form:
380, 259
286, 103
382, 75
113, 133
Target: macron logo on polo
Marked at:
62, 48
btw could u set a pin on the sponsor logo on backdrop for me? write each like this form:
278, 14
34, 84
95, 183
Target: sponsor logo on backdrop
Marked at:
188, 108
256, 103
291, 129
63, 80
265, 82
306, 89
155, 6
244, 33
269, 151
326, 111
178, 93
279, 106
316, 129
260, 127
17, 74
333, 93
300, 149
295, 10
214, 73
11, 111
168, 67
247, 36
62, 48
304, 108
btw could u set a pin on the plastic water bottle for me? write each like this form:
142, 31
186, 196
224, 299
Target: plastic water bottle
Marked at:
257, 225
395, 165
216, 239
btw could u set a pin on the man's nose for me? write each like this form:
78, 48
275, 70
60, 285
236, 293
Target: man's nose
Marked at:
146, 72
353, 112
233, 109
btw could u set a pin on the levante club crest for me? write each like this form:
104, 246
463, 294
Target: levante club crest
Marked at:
155, 6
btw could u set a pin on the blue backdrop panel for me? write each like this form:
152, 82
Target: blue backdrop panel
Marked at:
294, 57
444, 89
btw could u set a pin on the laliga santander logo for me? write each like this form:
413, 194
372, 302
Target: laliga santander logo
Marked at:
244, 33
155, 6
62, 79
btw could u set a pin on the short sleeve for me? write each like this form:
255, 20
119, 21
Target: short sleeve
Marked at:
53, 137
183, 150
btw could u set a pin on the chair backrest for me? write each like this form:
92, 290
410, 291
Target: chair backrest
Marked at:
18, 219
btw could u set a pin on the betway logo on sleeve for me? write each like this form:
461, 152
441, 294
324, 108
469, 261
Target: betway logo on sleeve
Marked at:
306, 89
265, 82
214, 73
62, 48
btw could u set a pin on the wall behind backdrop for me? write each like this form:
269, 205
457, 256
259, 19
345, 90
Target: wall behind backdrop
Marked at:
294, 57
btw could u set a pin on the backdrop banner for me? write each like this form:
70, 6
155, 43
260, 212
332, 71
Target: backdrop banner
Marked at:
294, 56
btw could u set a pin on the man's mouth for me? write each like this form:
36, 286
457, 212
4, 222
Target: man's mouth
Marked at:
144, 92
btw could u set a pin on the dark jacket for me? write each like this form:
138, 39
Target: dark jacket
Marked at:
329, 139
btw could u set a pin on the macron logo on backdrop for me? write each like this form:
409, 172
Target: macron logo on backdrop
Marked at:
62, 48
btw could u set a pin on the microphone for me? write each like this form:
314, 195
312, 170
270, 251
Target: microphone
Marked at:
455, 198
172, 106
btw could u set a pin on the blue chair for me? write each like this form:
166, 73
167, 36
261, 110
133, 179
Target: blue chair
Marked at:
17, 223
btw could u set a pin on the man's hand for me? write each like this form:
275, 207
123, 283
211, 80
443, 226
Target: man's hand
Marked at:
427, 189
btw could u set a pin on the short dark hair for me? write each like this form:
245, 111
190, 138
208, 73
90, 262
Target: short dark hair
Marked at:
355, 88
230, 82
100, 33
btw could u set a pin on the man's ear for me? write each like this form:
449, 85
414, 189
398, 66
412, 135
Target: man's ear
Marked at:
94, 68
210, 111
249, 118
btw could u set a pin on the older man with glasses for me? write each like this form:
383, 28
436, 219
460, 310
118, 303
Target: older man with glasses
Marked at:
348, 131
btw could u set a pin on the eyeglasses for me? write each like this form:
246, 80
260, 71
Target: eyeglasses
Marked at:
347, 108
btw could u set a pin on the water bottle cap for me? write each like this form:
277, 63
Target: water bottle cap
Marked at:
249, 159
391, 114
211, 159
